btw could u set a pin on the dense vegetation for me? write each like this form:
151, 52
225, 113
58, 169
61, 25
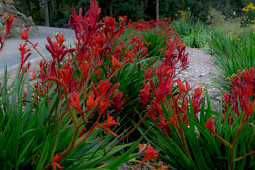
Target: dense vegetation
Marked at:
114, 100
59, 10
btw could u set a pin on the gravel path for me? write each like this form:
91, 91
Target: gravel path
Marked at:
200, 72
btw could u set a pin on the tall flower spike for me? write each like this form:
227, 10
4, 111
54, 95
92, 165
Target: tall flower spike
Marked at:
209, 125
54, 163
110, 122
150, 153
24, 35
75, 101
8, 21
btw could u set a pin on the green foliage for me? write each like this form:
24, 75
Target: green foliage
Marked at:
231, 53
193, 34
23, 129
206, 150
157, 43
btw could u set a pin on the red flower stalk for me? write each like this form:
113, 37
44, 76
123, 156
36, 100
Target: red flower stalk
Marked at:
148, 73
150, 154
145, 94
115, 63
54, 163
197, 100
8, 21
23, 51
249, 107
209, 125
90, 103
60, 39
117, 102
180, 85
110, 122
24, 35
58, 51
103, 88
82, 132
75, 101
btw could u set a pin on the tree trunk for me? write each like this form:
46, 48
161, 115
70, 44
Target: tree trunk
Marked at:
157, 8
111, 10
54, 6
38, 8
142, 7
46, 11
28, 6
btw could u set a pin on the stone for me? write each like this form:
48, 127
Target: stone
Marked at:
15, 32
11, 2
20, 21
1, 9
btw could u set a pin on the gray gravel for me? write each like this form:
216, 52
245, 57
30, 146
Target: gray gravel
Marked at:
201, 72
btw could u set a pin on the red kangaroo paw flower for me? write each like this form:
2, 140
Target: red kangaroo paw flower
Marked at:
54, 163
24, 35
90, 103
249, 107
65, 74
75, 101
150, 153
8, 21
188, 87
148, 72
209, 125
110, 122
117, 102
198, 92
145, 94
180, 85
60, 38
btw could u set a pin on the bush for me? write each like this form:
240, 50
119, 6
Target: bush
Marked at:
193, 34
178, 128
81, 96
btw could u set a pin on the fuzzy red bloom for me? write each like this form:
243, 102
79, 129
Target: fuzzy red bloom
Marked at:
110, 122
188, 87
115, 62
141, 146
60, 38
148, 72
150, 153
209, 125
145, 94
249, 107
180, 85
8, 21
24, 35
90, 103
75, 101
198, 92
24, 53
65, 74
54, 163
117, 102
